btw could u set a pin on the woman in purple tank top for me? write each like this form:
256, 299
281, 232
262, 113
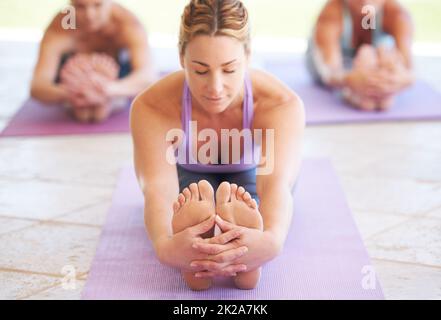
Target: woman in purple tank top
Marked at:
217, 144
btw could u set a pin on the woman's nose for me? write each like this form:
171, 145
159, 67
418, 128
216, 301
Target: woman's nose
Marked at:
215, 85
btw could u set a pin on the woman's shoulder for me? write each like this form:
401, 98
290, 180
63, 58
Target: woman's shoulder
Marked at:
268, 90
272, 96
163, 98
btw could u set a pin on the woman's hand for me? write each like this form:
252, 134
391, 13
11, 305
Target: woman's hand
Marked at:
262, 247
178, 251
365, 82
87, 79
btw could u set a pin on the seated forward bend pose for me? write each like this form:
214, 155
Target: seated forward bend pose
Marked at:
218, 92
363, 47
94, 68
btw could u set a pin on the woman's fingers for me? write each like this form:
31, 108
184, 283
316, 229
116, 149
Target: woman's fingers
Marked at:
230, 255
212, 249
229, 271
202, 227
224, 225
217, 262
226, 237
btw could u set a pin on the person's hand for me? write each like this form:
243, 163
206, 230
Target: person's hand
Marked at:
87, 79
105, 65
262, 247
364, 82
178, 251
82, 96
393, 80
384, 81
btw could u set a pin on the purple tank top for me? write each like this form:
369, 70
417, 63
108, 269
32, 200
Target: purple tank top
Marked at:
191, 164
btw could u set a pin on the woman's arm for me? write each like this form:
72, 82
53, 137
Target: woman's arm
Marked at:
326, 50
159, 184
43, 86
398, 23
157, 178
142, 74
275, 189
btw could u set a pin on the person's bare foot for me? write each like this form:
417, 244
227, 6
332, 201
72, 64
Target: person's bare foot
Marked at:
234, 204
102, 112
83, 115
194, 205
386, 103
358, 102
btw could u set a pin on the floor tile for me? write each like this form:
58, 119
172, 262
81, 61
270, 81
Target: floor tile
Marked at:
49, 247
417, 241
14, 285
44, 200
407, 282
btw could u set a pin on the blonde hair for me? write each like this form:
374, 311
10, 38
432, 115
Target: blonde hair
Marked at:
214, 18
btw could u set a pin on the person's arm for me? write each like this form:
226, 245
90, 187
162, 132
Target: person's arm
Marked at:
157, 178
159, 184
398, 23
326, 49
275, 189
142, 74
43, 86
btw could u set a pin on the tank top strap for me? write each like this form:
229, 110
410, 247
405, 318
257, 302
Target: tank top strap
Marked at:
248, 104
186, 116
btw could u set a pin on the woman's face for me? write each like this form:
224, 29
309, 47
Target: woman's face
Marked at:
215, 69
92, 15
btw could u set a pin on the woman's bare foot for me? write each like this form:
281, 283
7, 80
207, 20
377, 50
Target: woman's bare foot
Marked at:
194, 205
235, 205
357, 101
386, 103
83, 115
102, 112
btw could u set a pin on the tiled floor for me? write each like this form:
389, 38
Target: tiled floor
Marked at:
55, 192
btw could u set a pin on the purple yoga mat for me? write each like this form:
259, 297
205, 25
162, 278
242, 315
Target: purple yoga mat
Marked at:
323, 257
37, 119
322, 106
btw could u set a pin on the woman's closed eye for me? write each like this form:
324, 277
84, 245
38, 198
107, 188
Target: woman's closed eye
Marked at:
205, 72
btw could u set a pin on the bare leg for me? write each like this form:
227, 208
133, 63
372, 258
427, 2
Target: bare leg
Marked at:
235, 205
194, 205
